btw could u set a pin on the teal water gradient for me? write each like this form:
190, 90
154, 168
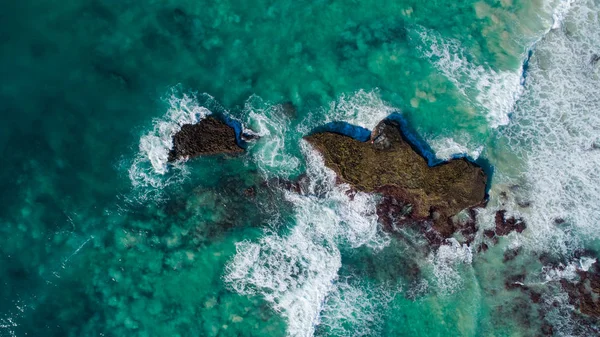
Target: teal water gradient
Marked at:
85, 251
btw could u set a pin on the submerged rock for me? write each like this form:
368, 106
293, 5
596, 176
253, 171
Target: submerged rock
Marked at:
511, 254
209, 136
289, 109
298, 185
411, 189
585, 294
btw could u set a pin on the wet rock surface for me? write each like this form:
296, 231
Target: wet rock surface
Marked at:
585, 293
411, 190
208, 137
505, 225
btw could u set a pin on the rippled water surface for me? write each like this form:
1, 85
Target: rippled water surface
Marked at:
100, 236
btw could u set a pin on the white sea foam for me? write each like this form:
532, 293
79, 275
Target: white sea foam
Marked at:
296, 271
445, 148
362, 108
446, 262
493, 92
556, 131
356, 310
567, 272
149, 168
559, 312
271, 123
8, 326
559, 11
585, 263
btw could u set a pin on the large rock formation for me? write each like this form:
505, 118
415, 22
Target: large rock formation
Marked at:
209, 136
388, 164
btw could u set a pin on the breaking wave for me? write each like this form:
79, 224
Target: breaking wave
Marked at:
272, 124
150, 170
446, 262
298, 270
556, 133
446, 148
362, 108
493, 92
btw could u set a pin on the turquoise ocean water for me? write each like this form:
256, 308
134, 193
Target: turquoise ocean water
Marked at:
100, 237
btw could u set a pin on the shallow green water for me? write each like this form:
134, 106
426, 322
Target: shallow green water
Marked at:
100, 237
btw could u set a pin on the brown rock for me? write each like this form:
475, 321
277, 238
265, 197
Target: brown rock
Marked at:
412, 189
506, 225
209, 136
547, 329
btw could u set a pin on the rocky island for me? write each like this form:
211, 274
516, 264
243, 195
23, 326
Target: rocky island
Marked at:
412, 190
207, 137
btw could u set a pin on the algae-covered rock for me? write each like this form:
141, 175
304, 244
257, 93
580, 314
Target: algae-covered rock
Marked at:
389, 165
209, 136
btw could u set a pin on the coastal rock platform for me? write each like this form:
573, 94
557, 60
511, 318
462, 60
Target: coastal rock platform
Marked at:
388, 164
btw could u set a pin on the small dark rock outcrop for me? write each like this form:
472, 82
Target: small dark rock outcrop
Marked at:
585, 294
209, 136
506, 225
411, 189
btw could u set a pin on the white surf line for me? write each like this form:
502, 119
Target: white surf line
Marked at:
150, 171
558, 133
296, 272
498, 92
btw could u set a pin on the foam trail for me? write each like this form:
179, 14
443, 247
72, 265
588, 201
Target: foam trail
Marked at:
559, 11
76, 251
297, 271
556, 131
150, 167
